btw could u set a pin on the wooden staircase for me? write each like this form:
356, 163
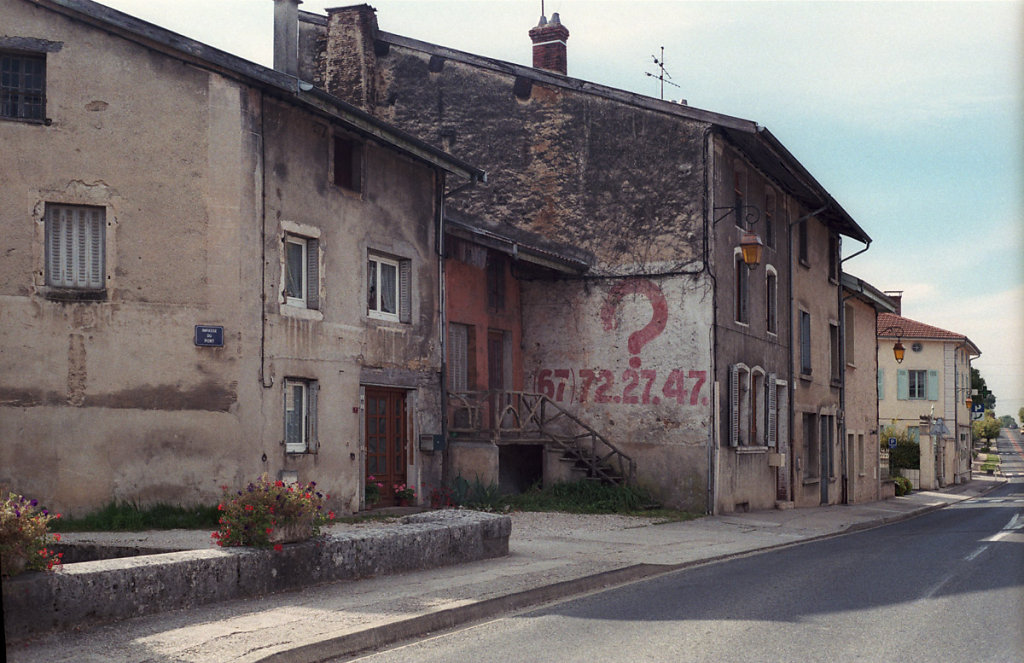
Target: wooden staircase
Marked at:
519, 417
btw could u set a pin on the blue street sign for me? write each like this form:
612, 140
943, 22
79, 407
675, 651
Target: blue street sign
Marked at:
892, 442
209, 336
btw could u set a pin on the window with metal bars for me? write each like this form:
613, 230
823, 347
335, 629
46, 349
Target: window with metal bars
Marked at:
22, 86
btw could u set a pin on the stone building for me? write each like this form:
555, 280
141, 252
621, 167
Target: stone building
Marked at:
211, 271
669, 348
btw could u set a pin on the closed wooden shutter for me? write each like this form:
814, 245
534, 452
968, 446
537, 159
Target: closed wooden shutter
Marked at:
734, 406
902, 385
75, 247
932, 388
772, 411
313, 441
405, 291
881, 384
458, 357
313, 273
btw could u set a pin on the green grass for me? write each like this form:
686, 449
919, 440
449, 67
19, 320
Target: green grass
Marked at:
591, 497
128, 517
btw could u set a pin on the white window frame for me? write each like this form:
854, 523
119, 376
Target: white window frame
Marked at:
917, 389
75, 247
307, 305
304, 440
303, 285
403, 288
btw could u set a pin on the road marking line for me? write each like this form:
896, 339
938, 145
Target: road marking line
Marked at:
975, 553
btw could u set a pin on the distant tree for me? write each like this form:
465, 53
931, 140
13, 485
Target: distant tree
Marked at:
1020, 415
984, 396
986, 428
1006, 421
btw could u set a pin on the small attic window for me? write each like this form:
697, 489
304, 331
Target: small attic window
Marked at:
348, 163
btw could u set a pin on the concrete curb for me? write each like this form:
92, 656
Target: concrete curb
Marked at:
103, 591
353, 643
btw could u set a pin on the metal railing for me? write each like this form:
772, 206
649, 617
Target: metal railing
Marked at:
519, 416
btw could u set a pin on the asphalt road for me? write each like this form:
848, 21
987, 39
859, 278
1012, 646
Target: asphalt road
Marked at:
947, 586
1011, 453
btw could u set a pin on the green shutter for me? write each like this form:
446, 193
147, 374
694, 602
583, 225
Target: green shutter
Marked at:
933, 385
881, 384
902, 385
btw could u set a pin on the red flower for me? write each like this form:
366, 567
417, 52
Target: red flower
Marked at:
220, 507
278, 547
56, 537
248, 507
330, 514
269, 530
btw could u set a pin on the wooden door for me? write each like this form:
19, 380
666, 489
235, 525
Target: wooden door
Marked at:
386, 444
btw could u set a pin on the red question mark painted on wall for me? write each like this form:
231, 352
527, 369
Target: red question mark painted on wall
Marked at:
637, 339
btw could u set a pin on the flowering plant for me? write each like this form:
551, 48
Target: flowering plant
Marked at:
373, 488
403, 493
24, 537
250, 517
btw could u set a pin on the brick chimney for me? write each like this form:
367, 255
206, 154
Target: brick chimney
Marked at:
897, 298
549, 44
286, 36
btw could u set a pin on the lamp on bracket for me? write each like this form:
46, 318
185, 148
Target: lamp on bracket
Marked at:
751, 245
898, 351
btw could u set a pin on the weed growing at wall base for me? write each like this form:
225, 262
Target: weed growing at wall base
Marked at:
258, 514
24, 536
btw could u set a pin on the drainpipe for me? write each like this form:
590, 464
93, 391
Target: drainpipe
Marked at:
844, 449
713, 432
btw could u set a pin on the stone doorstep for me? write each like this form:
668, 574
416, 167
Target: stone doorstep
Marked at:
97, 592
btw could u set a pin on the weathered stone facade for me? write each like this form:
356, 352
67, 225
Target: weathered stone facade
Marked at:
645, 187
206, 171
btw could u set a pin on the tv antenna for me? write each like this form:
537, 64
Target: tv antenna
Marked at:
663, 75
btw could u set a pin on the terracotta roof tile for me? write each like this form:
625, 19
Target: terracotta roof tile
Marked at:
915, 329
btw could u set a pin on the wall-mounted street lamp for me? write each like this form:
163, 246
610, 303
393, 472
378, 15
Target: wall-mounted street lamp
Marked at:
898, 351
751, 245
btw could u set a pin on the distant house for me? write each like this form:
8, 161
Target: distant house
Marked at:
932, 384
210, 272
861, 470
669, 354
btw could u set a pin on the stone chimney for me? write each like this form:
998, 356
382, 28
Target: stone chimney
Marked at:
350, 57
286, 36
897, 298
549, 45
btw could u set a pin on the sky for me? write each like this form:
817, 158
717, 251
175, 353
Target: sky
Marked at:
911, 114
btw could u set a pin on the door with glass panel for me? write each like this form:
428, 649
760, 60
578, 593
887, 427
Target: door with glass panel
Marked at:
386, 445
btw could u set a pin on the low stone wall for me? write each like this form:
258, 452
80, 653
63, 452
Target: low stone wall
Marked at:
109, 590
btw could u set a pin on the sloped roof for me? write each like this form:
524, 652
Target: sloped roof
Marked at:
280, 84
763, 148
889, 323
868, 293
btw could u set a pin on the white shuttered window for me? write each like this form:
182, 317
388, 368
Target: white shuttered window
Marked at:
75, 247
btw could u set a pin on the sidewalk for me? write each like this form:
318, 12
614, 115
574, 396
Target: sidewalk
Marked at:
552, 556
